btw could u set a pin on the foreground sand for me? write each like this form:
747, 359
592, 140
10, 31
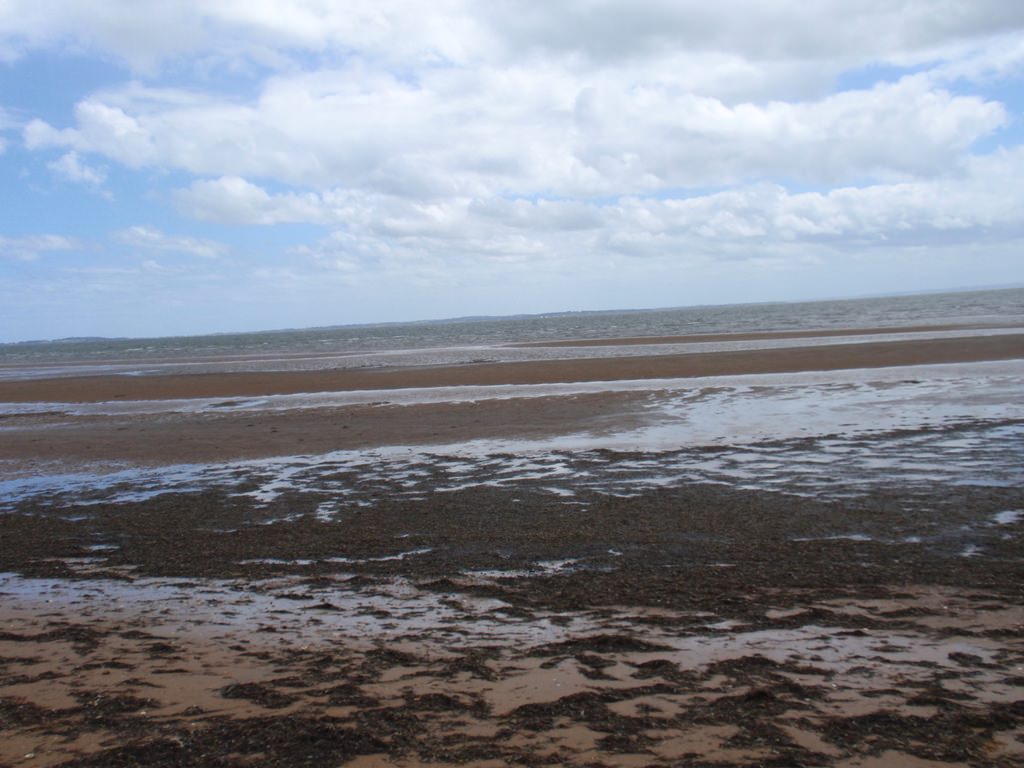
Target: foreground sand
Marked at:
458, 622
701, 626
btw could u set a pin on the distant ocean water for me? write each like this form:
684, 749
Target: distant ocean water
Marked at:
1005, 306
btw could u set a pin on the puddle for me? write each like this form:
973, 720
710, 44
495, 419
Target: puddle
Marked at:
390, 610
829, 468
1009, 517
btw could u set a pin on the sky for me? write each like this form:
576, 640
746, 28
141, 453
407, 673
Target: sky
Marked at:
231, 165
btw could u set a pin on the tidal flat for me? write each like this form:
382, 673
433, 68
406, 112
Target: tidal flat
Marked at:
617, 560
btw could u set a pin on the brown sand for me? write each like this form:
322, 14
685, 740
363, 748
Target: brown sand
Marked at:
105, 691
227, 435
86, 389
805, 650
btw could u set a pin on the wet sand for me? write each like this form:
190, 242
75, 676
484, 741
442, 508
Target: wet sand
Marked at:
225, 435
224, 432
513, 624
86, 389
701, 625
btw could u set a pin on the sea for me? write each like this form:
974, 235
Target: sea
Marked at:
1000, 307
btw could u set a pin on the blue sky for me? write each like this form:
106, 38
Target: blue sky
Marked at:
195, 167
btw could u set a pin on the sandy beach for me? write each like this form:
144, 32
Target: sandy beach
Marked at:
499, 564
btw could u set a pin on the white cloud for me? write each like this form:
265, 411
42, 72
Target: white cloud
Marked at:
31, 247
148, 239
140, 32
103, 130
982, 204
521, 131
588, 97
233, 200
70, 166
145, 32
1000, 57
653, 136
768, 29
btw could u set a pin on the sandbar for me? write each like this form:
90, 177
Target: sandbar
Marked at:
874, 354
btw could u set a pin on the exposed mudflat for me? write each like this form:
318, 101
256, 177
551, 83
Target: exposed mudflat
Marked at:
555, 562
701, 625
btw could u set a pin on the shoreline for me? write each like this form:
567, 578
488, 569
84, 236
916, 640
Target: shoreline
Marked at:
692, 338
85, 389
